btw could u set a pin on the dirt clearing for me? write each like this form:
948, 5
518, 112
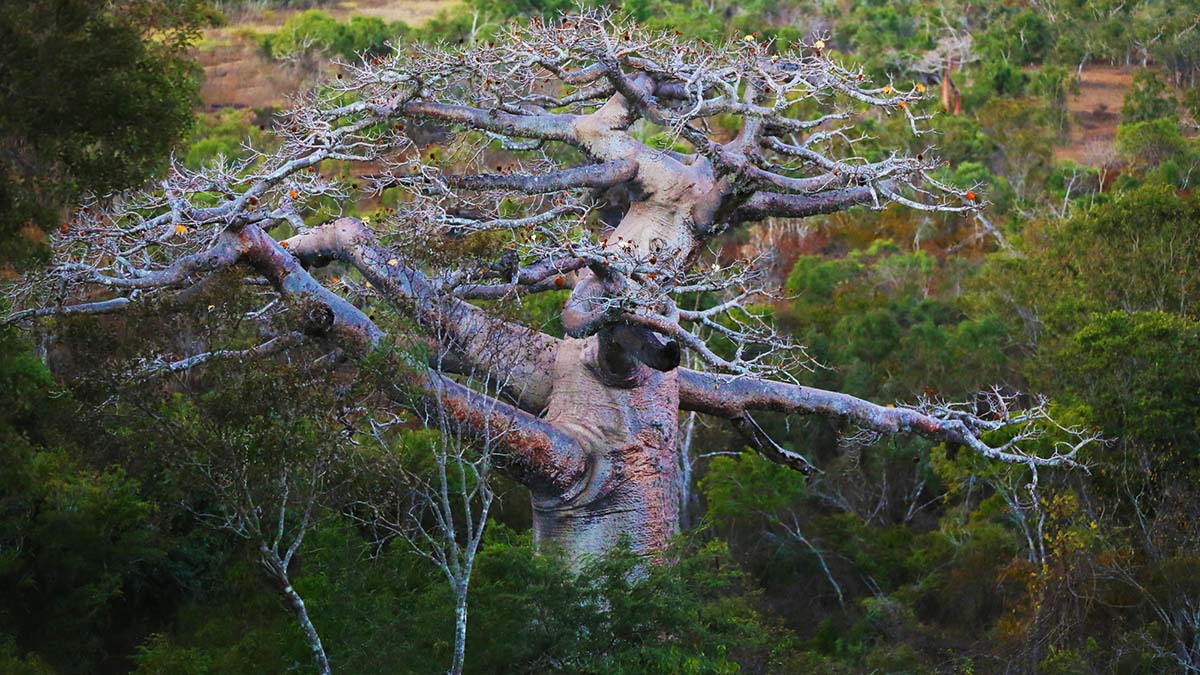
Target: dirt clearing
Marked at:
1095, 114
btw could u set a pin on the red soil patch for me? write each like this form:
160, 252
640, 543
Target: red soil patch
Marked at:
237, 74
1095, 113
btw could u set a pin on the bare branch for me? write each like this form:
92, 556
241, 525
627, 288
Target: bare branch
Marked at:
149, 370
531, 450
589, 176
767, 447
762, 204
733, 397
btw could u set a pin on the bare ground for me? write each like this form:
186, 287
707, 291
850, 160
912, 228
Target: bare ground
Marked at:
237, 74
411, 12
1095, 113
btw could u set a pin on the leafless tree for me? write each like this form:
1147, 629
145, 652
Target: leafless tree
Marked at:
442, 518
277, 548
572, 154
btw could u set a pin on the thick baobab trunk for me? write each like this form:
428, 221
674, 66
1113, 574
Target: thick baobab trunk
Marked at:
951, 98
630, 486
616, 390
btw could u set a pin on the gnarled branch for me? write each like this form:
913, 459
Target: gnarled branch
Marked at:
733, 398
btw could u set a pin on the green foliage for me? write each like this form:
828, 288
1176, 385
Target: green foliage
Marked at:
75, 542
1021, 37
1138, 373
900, 557
11, 661
224, 133
306, 31
93, 559
1064, 662
1191, 101
1159, 143
316, 32
884, 28
94, 100
529, 613
1147, 99
1137, 253
543, 311
876, 311
998, 79
503, 9
369, 34
1113, 293
963, 139
85, 537
749, 487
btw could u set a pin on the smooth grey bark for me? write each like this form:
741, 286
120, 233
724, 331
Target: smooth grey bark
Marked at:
299, 609
630, 485
460, 629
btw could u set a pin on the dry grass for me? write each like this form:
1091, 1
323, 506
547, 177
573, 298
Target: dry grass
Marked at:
237, 74
411, 12
1095, 114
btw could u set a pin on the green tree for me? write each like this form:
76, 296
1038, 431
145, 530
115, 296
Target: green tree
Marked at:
1137, 372
77, 545
95, 96
1138, 253
1159, 144
1147, 99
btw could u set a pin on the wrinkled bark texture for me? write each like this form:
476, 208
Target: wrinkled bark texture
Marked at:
618, 395
628, 485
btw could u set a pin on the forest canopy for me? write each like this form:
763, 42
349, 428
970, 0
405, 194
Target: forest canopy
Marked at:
214, 480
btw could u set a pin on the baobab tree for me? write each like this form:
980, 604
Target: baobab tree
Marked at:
951, 53
581, 154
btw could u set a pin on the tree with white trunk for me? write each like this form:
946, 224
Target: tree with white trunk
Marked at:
580, 154
441, 517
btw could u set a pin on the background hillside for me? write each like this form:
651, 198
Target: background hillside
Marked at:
1081, 281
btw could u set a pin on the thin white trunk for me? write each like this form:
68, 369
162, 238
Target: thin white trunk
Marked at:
460, 630
685, 472
310, 631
